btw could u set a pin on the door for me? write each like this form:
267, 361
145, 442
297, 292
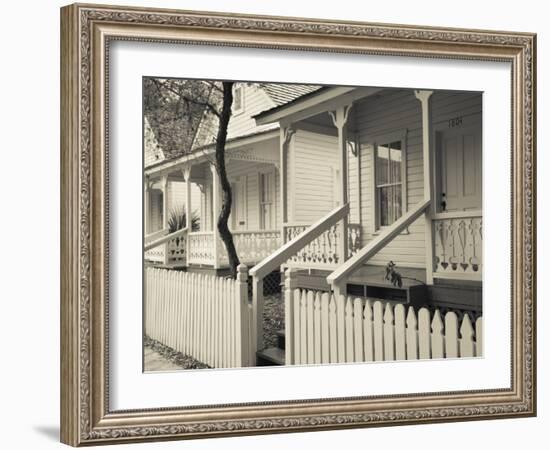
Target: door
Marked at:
238, 211
459, 169
267, 200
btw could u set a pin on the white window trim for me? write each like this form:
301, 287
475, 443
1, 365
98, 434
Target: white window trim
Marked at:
373, 143
238, 87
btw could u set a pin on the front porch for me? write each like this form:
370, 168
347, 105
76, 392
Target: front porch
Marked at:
254, 221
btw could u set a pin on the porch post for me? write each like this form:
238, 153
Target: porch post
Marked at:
427, 150
146, 206
286, 134
187, 177
340, 118
164, 185
215, 214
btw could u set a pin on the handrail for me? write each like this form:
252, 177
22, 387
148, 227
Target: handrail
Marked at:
376, 244
275, 260
164, 239
457, 214
201, 233
241, 232
156, 234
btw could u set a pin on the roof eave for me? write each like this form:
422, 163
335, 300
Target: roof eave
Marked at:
314, 103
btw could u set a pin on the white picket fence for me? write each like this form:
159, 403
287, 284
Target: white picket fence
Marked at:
321, 328
203, 316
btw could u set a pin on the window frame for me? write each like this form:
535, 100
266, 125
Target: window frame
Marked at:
238, 90
386, 139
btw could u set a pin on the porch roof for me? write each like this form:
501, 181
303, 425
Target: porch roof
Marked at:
206, 150
322, 99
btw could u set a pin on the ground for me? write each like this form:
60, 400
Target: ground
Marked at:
274, 318
158, 356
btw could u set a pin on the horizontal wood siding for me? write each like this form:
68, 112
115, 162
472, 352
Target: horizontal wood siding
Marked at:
354, 195
255, 101
400, 112
313, 161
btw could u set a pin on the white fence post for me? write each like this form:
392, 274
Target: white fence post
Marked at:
451, 335
438, 341
479, 336
389, 337
400, 333
424, 334
290, 286
257, 314
466, 338
241, 316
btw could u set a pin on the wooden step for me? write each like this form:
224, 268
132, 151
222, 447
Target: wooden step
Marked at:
272, 356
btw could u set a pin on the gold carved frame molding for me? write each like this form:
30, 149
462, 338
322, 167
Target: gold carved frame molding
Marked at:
86, 31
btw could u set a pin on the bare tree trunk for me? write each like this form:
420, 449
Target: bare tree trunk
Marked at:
227, 197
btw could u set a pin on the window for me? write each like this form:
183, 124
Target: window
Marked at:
389, 186
238, 99
267, 197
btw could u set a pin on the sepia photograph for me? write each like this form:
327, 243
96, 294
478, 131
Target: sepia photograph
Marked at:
293, 224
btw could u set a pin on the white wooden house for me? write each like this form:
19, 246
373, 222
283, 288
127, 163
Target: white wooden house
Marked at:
411, 182
333, 183
253, 165
394, 175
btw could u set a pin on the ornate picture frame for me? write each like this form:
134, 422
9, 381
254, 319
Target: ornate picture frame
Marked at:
86, 33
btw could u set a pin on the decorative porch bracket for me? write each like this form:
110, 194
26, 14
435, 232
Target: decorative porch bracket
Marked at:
427, 152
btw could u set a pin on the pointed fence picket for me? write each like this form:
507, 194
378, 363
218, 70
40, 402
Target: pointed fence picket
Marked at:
202, 316
345, 329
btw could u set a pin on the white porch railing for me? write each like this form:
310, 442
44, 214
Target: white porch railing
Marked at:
252, 246
201, 248
458, 250
155, 254
325, 251
165, 248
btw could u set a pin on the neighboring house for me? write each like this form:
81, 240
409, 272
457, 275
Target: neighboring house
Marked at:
374, 175
253, 169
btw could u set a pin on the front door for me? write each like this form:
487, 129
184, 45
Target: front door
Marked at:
459, 167
238, 211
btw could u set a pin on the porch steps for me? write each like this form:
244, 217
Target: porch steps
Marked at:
273, 356
281, 339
